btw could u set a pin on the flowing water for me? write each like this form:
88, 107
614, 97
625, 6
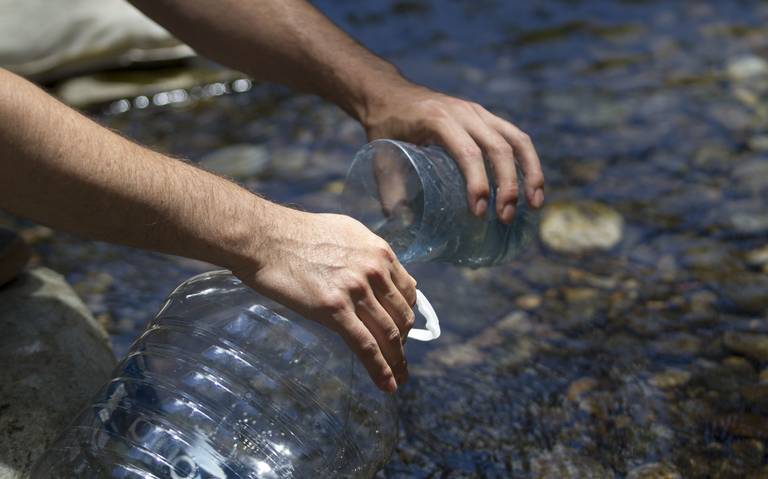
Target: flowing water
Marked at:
646, 360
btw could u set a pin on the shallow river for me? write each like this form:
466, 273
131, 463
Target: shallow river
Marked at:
646, 360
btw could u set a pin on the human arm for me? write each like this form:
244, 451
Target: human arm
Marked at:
290, 42
63, 170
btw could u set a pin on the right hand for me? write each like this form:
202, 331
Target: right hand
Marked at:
332, 269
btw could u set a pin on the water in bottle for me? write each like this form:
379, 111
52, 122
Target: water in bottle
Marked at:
415, 198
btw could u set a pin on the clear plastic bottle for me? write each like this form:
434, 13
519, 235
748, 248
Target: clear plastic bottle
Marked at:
225, 383
415, 198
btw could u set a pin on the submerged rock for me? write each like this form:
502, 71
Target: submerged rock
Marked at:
655, 470
758, 258
580, 227
238, 161
752, 175
747, 292
746, 67
53, 357
562, 463
669, 379
752, 345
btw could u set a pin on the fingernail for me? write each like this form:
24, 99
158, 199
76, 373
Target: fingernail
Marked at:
538, 198
391, 385
508, 213
480, 206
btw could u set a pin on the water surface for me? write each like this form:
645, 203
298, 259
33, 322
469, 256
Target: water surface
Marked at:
652, 353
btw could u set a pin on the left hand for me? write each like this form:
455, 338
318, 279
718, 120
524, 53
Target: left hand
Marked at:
468, 132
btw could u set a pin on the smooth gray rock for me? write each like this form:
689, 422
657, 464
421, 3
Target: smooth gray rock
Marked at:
53, 357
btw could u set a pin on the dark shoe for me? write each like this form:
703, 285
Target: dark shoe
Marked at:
14, 255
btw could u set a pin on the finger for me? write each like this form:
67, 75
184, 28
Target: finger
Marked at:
469, 158
526, 155
502, 158
394, 303
404, 282
386, 333
366, 348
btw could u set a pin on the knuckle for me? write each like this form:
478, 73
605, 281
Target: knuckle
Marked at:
358, 286
500, 148
393, 335
385, 252
334, 302
470, 151
524, 138
410, 319
478, 187
508, 189
383, 374
369, 348
435, 107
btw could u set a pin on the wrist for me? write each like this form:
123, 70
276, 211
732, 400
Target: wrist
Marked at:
239, 239
370, 94
257, 239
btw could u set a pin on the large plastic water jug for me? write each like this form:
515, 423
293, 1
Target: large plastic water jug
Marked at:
225, 383
415, 198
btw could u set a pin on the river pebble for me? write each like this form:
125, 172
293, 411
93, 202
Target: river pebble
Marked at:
579, 227
655, 470
237, 161
746, 67
752, 345
747, 292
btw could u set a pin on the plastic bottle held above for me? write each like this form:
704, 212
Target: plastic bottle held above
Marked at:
227, 384
415, 198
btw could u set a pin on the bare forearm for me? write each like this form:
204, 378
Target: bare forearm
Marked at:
61, 169
287, 41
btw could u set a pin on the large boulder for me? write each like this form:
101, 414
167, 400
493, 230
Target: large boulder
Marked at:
53, 357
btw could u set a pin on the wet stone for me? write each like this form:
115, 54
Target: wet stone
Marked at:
752, 175
579, 227
580, 387
562, 463
752, 345
743, 425
747, 67
749, 452
237, 161
528, 301
655, 470
746, 292
758, 258
756, 394
739, 365
758, 143
580, 295
679, 344
670, 379
702, 301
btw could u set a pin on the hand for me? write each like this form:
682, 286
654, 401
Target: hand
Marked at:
468, 132
332, 269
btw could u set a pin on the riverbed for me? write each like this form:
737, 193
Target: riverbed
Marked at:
645, 359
